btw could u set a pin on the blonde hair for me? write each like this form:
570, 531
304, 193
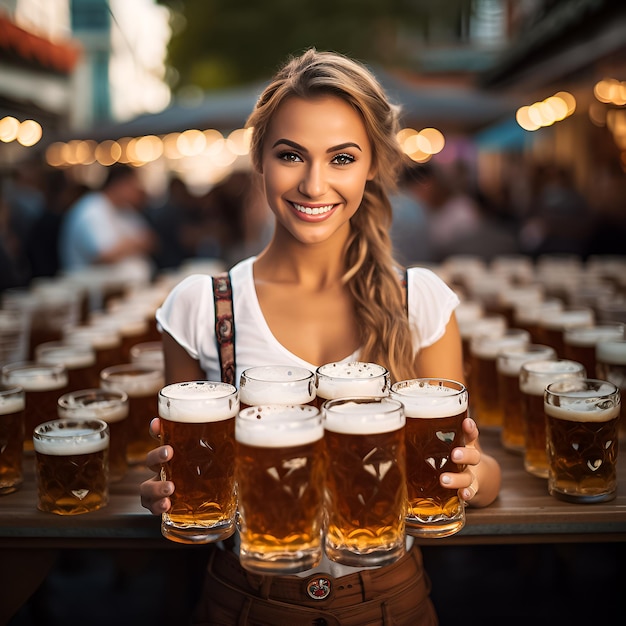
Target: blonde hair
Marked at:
371, 274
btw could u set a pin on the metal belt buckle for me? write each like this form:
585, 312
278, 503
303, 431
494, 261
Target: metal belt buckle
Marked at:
319, 587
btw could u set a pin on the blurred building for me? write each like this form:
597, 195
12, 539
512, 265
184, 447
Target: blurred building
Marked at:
74, 64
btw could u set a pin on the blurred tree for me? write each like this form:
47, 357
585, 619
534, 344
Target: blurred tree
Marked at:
220, 43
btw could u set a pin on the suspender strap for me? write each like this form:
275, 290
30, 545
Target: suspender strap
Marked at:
224, 326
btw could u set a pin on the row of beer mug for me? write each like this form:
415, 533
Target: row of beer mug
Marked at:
304, 463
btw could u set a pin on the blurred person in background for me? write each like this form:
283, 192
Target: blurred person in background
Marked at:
9, 274
409, 225
42, 245
560, 220
174, 220
107, 226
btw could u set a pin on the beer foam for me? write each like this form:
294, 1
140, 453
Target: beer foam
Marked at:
68, 357
355, 417
510, 361
613, 352
12, 404
278, 426
284, 385
135, 382
97, 338
487, 347
37, 378
590, 336
339, 380
198, 402
60, 441
561, 320
537, 375
427, 400
106, 410
583, 411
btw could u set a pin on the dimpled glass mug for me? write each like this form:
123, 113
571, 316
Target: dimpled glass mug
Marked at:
366, 499
434, 410
582, 439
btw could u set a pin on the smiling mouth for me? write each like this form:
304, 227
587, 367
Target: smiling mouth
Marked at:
316, 210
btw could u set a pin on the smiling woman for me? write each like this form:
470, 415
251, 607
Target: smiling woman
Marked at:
326, 289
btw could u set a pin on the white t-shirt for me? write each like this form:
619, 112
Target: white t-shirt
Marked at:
188, 315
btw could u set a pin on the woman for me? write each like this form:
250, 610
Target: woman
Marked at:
325, 289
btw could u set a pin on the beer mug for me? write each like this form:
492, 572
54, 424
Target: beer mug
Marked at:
580, 343
611, 366
106, 342
11, 437
148, 353
110, 406
492, 325
198, 421
280, 484
508, 365
79, 360
554, 324
72, 466
434, 410
366, 497
485, 404
534, 377
582, 440
42, 385
142, 384
343, 379
276, 384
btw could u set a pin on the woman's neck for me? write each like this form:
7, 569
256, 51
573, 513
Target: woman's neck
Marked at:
286, 260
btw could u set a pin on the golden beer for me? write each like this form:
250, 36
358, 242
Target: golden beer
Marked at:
11, 438
554, 324
534, 377
79, 360
111, 407
141, 383
198, 421
580, 343
106, 343
485, 403
488, 326
42, 385
347, 379
582, 419
434, 410
508, 365
72, 466
366, 498
148, 353
276, 384
280, 482
611, 366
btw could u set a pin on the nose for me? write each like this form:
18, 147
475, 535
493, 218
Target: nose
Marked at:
313, 183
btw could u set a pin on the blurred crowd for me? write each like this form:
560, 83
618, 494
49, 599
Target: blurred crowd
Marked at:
50, 224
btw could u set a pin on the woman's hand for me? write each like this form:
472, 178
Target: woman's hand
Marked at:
154, 491
480, 481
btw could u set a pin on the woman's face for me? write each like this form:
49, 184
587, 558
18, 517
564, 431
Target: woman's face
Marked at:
316, 160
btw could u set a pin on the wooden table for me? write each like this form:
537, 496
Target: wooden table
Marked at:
524, 512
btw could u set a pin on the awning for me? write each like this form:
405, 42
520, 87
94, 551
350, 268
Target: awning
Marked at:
22, 47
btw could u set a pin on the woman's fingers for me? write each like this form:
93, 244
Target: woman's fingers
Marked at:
155, 495
159, 455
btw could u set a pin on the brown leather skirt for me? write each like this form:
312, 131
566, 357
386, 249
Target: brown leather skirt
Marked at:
394, 595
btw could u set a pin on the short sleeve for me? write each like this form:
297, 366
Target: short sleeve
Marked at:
188, 315
431, 304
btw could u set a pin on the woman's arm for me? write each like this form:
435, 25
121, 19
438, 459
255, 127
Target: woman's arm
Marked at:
481, 479
179, 367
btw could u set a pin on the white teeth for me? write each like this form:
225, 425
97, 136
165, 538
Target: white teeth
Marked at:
318, 210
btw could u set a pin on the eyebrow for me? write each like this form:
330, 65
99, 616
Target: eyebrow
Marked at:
297, 146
